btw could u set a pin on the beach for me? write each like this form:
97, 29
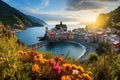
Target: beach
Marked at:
90, 47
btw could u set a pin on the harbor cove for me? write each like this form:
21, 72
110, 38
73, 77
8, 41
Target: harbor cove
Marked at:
30, 37
61, 39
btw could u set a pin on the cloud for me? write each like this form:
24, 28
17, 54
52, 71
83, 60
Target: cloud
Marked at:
77, 5
55, 17
83, 5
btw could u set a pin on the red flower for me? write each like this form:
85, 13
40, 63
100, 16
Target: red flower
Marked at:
52, 61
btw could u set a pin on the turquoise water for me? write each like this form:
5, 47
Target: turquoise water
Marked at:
75, 50
29, 37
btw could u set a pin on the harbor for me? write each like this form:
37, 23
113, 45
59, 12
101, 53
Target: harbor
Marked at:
63, 36
83, 36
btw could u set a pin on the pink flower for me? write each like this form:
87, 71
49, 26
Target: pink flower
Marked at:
56, 69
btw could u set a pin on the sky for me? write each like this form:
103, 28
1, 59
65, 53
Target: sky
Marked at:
69, 11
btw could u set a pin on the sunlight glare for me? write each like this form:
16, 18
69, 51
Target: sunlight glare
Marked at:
91, 18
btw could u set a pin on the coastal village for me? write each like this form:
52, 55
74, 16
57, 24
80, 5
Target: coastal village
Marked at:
110, 35
84, 45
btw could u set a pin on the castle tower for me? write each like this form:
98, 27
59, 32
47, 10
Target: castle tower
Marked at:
60, 22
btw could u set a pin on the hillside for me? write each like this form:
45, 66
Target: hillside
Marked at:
110, 19
34, 19
13, 17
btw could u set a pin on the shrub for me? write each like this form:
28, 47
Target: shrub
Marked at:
11, 68
93, 57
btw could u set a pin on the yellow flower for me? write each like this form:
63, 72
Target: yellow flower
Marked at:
25, 53
65, 78
86, 77
66, 67
35, 67
45, 60
80, 69
20, 52
38, 57
74, 66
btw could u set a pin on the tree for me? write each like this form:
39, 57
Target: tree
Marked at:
93, 57
104, 47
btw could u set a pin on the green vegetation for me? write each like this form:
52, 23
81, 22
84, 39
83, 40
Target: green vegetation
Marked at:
105, 68
18, 62
104, 47
93, 57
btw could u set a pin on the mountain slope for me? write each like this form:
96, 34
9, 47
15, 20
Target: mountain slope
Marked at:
11, 16
37, 20
111, 19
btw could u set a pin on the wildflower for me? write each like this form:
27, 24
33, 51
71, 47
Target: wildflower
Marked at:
25, 53
80, 69
45, 60
74, 66
66, 67
38, 57
52, 61
35, 67
65, 78
57, 69
57, 58
32, 52
75, 72
86, 77
20, 52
